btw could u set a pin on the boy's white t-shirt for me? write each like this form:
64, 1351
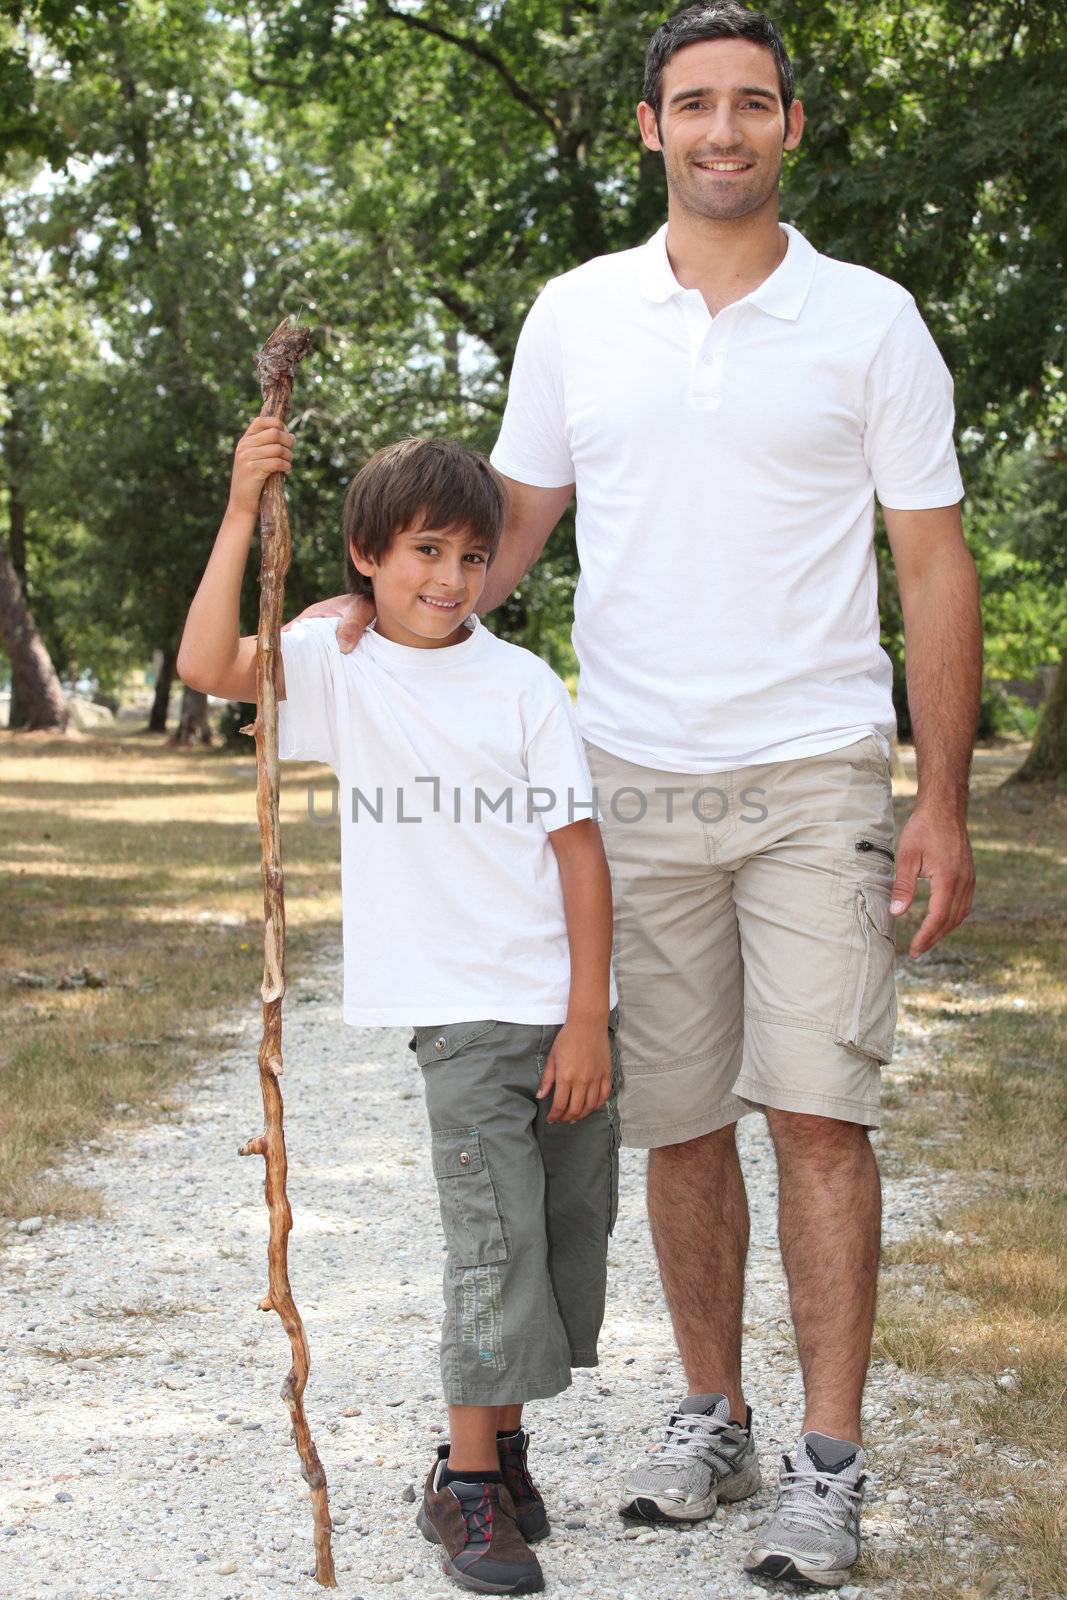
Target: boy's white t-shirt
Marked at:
451, 909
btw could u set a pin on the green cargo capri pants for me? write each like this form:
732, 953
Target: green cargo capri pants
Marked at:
527, 1207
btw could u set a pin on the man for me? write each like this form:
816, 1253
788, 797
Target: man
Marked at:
727, 404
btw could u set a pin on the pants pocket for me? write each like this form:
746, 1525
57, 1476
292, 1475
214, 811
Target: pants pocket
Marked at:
613, 1122
470, 1213
613, 1189
867, 1015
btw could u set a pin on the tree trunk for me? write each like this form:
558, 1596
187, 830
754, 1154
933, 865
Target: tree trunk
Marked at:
1048, 753
192, 724
157, 722
35, 686
19, 712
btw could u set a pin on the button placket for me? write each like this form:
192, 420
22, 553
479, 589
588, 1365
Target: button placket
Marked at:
707, 377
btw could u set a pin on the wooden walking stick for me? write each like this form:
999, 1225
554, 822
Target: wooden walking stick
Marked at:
276, 364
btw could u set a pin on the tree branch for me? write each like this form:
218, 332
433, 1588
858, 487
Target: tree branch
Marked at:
488, 332
480, 52
259, 78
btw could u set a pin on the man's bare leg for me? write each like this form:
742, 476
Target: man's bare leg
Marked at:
698, 1210
829, 1224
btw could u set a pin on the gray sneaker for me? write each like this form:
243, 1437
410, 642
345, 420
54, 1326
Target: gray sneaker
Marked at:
813, 1534
706, 1458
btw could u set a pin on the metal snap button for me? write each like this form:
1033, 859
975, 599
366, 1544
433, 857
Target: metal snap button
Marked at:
439, 1043
464, 1158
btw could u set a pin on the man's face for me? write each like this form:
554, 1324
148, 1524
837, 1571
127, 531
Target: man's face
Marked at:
722, 128
427, 582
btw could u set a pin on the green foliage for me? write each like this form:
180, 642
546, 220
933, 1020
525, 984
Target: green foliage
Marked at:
407, 173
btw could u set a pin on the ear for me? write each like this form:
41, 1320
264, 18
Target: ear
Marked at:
646, 121
794, 125
363, 564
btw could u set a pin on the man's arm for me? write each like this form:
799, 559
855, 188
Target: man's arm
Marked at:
579, 1063
943, 662
532, 515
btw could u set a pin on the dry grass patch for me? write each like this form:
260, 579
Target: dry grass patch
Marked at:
991, 1108
131, 935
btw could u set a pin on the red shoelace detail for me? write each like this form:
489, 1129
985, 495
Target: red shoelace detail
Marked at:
519, 1461
478, 1516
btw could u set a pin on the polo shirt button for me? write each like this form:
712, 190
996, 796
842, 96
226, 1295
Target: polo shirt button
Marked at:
439, 1043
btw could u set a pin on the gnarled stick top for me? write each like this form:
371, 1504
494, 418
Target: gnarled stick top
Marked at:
276, 360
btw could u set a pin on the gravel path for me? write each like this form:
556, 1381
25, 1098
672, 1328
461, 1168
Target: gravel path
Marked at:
148, 1451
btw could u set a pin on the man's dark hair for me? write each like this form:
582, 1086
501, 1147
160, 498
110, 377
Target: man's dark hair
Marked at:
716, 19
420, 483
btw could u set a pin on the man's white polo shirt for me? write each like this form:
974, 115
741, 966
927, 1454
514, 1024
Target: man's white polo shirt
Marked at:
726, 470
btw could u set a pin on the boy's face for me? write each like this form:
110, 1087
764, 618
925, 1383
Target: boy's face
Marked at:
426, 584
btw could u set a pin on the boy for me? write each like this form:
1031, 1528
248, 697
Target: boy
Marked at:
474, 886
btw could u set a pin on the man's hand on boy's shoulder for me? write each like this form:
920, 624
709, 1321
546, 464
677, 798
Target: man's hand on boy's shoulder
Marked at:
578, 1071
354, 610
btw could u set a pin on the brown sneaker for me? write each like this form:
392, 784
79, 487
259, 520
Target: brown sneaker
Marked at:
475, 1523
530, 1513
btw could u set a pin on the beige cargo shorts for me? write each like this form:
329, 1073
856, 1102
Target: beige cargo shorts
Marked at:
754, 947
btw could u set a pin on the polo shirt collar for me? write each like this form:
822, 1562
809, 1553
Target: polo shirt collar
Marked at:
781, 295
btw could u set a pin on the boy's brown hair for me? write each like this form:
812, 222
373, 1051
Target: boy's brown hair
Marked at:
420, 483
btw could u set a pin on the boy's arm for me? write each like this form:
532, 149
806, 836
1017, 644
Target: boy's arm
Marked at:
579, 1064
212, 656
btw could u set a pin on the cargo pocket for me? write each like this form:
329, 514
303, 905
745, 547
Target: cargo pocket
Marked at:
867, 1016
442, 1041
470, 1213
613, 1182
613, 1121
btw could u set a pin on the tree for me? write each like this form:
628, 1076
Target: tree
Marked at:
42, 341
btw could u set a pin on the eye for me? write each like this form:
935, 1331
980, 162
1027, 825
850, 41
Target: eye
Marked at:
426, 549
755, 105
474, 555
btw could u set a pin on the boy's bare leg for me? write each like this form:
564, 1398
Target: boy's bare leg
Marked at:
473, 1431
698, 1210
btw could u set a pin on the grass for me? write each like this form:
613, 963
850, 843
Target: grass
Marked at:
131, 935
132, 863
989, 1110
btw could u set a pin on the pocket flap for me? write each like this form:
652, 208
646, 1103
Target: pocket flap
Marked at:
876, 905
441, 1042
456, 1152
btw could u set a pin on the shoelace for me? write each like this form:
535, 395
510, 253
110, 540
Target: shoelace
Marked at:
801, 1502
691, 1436
478, 1517
519, 1463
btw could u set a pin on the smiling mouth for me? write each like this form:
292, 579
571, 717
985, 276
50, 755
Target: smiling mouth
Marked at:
724, 168
439, 605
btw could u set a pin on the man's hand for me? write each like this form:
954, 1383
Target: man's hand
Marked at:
934, 844
578, 1070
355, 612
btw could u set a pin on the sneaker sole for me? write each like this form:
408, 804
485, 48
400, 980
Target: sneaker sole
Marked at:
772, 1565
647, 1508
531, 1585
644, 1508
